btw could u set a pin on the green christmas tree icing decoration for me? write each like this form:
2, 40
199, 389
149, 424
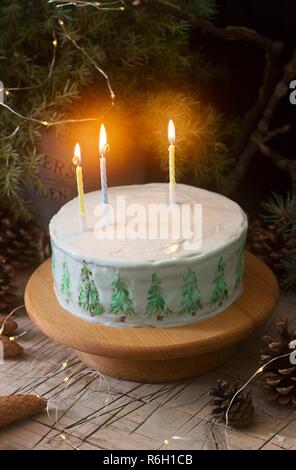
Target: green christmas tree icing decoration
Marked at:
66, 283
220, 290
121, 303
239, 270
89, 298
156, 304
190, 300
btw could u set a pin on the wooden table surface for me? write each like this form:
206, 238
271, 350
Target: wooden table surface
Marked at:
103, 413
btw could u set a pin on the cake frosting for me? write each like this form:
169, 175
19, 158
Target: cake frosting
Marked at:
148, 282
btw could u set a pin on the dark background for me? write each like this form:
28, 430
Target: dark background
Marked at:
277, 20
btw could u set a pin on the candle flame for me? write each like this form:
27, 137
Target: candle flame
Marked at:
77, 155
171, 132
103, 146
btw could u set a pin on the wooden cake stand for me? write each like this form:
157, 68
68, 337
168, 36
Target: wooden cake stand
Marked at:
155, 354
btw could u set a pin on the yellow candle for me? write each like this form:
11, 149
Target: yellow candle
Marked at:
80, 189
77, 162
171, 135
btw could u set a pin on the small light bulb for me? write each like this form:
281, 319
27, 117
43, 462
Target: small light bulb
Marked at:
61, 22
11, 338
45, 123
260, 370
55, 42
166, 442
63, 437
64, 365
66, 379
38, 396
6, 92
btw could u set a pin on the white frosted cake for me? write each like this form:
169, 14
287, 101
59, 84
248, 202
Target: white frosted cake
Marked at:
153, 282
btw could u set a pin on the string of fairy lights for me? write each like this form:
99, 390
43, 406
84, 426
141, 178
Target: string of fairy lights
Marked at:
13, 312
91, 60
259, 371
64, 434
57, 404
5, 91
57, 407
110, 6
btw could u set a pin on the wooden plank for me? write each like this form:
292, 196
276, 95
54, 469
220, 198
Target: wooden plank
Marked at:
139, 416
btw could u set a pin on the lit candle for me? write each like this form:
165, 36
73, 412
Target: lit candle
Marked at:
103, 148
77, 162
172, 184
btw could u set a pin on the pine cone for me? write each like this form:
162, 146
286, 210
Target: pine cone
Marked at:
22, 243
10, 326
241, 412
7, 286
271, 244
11, 348
17, 407
280, 376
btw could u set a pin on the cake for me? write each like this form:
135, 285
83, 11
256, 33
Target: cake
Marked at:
155, 282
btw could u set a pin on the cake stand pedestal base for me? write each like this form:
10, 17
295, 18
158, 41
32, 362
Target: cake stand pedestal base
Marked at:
155, 354
156, 371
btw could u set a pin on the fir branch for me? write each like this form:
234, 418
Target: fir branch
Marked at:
272, 49
281, 212
139, 52
203, 135
272, 237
